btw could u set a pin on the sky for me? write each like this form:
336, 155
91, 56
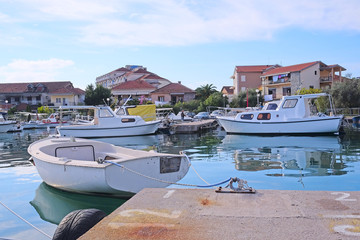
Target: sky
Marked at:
197, 42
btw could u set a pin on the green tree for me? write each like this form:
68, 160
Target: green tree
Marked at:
96, 96
304, 91
245, 99
45, 109
204, 91
346, 94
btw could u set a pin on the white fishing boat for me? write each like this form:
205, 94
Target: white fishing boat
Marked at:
107, 123
6, 125
293, 115
83, 165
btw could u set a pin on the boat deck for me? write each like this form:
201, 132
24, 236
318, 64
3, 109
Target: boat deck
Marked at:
204, 214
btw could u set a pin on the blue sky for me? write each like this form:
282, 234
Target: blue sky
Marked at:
195, 42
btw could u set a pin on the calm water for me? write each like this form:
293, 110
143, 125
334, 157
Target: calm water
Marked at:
284, 163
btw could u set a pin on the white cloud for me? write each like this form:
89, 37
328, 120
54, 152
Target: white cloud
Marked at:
184, 22
33, 71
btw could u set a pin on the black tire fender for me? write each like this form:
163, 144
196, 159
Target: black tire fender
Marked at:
77, 222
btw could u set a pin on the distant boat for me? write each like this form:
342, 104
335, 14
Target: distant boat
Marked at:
83, 165
293, 115
107, 123
6, 125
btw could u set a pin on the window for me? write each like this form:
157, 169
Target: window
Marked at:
38, 98
243, 89
315, 72
58, 100
29, 99
161, 98
247, 116
127, 120
311, 87
104, 113
290, 103
264, 116
243, 78
272, 106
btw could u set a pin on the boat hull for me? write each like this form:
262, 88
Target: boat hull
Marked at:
94, 131
326, 125
73, 166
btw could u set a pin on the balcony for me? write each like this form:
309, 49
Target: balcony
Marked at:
326, 79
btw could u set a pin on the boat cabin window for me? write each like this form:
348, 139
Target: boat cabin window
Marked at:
105, 113
272, 106
127, 120
290, 103
264, 116
247, 116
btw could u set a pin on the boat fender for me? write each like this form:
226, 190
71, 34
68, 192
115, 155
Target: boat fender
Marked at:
78, 222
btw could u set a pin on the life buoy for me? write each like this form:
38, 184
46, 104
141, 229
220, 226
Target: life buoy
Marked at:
78, 222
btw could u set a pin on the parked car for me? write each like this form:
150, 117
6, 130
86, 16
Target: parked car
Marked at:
216, 113
202, 115
190, 114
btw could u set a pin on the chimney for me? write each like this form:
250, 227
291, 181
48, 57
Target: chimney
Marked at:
179, 82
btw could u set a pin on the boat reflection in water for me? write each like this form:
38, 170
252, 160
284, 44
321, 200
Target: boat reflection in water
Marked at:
53, 204
308, 156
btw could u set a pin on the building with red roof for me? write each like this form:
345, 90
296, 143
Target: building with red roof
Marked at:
282, 81
172, 93
130, 73
136, 89
245, 77
43, 93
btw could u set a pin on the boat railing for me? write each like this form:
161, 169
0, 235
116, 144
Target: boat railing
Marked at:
348, 111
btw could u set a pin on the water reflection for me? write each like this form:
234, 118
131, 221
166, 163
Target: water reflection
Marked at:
13, 147
308, 156
53, 204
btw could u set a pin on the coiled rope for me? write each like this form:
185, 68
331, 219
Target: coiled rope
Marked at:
25, 220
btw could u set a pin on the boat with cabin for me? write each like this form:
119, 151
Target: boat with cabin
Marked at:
6, 125
107, 123
295, 114
89, 166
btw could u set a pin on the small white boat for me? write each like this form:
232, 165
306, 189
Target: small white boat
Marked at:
6, 125
83, 165
107, 123
295, 114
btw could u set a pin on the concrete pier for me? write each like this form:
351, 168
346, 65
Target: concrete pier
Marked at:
193, 127
205, 214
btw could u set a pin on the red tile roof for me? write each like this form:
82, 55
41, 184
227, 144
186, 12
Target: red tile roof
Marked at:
136, 84
152, 76
292, 68
255, 68
23, 87
174, 88
67, 90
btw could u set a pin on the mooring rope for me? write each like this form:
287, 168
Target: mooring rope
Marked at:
25, 220
183, 153
163, 181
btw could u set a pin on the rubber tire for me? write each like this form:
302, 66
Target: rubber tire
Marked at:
78, 222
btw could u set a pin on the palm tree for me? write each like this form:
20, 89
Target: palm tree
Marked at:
204, 91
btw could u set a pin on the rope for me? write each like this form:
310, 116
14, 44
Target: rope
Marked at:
183, 153
25, 220
163, 181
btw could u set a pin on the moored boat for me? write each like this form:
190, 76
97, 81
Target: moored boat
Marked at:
83, 165
6, 125
107, 123
295, 114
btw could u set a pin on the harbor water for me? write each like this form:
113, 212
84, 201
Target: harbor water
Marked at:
312, 163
